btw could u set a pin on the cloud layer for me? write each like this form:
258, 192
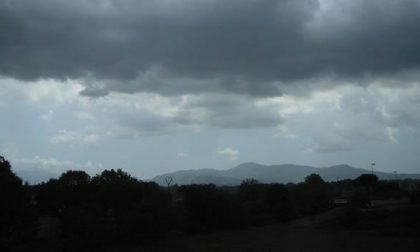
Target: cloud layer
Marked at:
323, 121
184, 46
174, 83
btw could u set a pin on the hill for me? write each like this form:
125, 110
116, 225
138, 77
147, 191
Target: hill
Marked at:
270, 174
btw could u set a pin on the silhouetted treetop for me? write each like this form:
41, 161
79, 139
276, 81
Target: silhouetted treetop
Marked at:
250, 181
110, 176
314, 179
12, 204
313, 195
366, 180
8, 180
74, 178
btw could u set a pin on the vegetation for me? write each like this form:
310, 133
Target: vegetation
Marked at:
114, 209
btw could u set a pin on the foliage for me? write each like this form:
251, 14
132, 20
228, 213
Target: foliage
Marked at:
312, 196
367, 180
16, 219
205, 208
265, 202
114, 209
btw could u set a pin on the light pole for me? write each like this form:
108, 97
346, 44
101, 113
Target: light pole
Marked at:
371, 166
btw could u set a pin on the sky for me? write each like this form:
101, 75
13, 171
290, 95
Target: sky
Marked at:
154, 86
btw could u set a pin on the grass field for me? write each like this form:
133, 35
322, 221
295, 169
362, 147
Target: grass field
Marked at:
318, 233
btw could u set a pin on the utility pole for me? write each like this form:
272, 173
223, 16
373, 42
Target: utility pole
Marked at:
371, 166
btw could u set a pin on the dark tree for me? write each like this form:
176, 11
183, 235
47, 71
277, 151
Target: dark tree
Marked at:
314, 195
365, 185
115, 190
367, 180
279, 202
263, 203
120, 209
168, 181
205, 208
9, 182
13, 200
250, 189
74, 178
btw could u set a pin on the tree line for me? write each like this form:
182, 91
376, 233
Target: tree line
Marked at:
77, 211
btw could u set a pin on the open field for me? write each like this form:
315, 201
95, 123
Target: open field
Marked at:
308, 234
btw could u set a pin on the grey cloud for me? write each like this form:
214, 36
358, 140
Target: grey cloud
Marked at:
146, 122
227, 111
94, 92
194, 112
404, 113
329, 146
373, 115
248, 47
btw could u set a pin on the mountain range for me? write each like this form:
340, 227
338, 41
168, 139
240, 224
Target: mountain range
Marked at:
271, 174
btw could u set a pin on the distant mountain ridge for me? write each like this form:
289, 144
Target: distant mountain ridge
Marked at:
270, 174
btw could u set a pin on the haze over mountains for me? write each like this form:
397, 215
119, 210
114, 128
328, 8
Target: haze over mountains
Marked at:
270, 174
264, 173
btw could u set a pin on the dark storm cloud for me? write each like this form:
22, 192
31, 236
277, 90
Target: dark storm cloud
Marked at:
240, 46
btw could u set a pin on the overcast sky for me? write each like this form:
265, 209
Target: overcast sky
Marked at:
153, 86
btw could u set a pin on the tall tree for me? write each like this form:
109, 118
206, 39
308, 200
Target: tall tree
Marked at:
12, 201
